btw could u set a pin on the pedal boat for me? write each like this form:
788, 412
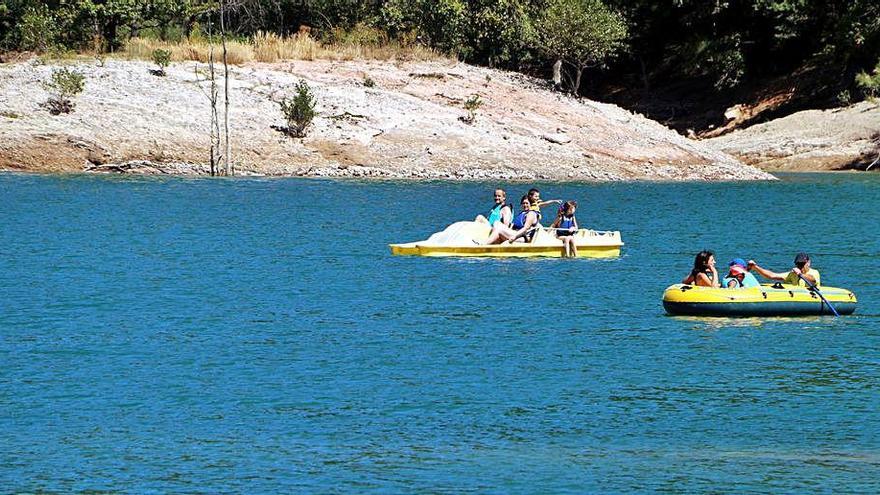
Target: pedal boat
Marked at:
465, 238
766, 300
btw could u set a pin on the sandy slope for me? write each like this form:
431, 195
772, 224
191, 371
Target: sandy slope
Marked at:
809, 140
407, 126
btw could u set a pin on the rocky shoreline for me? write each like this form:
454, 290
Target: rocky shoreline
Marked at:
406, 126
811, 140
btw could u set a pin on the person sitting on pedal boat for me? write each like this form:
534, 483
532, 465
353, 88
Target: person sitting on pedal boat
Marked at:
535, 200
802, 266
739, 276
523, 226
704, 273
566, 227
500, 212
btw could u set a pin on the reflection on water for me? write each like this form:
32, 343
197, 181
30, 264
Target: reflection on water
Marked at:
172, 335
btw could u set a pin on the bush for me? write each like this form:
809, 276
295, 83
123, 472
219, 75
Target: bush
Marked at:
299, 111
63, 85
161, 58
369, 82
472, 104
869, 83
37, 30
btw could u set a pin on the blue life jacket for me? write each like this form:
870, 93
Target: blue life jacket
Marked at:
748, 281
726, 280
520, 220
567, 223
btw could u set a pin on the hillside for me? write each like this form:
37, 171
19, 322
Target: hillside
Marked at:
406, 126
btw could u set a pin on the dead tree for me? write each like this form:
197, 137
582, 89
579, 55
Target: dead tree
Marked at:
227, 155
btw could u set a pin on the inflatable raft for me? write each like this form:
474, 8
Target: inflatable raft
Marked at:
465, 238
766, 300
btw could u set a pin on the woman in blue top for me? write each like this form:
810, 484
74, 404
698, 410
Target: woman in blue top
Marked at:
523, 226
566, 227
500, 212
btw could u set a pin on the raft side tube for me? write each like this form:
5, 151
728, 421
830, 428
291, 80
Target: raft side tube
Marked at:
766, 300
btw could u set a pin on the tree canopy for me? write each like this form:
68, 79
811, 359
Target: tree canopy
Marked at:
727, 42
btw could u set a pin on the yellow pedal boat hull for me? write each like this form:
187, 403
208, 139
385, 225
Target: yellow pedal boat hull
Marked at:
464, 238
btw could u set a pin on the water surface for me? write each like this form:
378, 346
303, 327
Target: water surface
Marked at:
174, 335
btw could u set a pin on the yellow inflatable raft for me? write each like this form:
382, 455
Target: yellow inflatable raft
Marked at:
465, 238
766, 300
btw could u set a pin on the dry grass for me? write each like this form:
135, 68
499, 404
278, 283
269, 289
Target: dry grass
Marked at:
269, 47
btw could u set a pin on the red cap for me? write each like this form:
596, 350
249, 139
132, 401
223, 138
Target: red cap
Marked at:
737, 270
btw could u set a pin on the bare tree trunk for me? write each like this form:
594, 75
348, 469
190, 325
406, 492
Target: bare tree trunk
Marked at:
227, 157
557, 74
577, 80
212, 96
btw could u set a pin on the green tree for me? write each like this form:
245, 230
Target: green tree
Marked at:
581, 34
499, 31
37, 29
438, 23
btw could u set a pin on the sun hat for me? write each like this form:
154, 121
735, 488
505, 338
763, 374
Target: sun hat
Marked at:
737, 261
737, 270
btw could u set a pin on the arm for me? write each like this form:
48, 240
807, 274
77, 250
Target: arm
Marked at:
714, 282
556, 222
506, 215
764, 272
575, 223
549, 202
689, 280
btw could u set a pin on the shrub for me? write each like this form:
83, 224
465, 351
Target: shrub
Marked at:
299, 111
869, 83
62, 86
37, 30
472, 104
161, 58
844, 98
369, 82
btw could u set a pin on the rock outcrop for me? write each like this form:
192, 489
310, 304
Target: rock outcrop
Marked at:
406, 126
811, 140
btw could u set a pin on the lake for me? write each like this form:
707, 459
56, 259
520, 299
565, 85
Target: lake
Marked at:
168, 335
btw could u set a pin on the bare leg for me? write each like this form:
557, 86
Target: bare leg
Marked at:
499, 234
574, 248
481, 219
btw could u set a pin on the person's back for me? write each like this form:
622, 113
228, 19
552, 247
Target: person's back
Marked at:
749, 280
793, 279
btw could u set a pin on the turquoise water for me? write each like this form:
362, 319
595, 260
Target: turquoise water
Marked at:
256, 336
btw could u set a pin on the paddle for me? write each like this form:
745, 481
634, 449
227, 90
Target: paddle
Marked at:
816, 290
